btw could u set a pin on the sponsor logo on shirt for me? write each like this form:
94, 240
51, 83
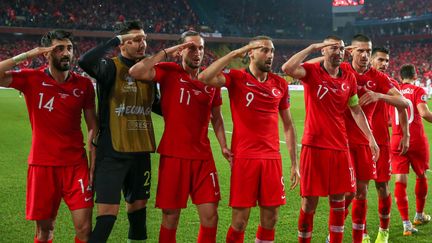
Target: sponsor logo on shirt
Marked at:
63, 95
130, 85
183, 81
46, 84
249, 84
196, 92
124, 110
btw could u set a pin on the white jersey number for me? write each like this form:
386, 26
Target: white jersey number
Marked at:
182, 94
249, 97
322, 91
48, 105
410, 113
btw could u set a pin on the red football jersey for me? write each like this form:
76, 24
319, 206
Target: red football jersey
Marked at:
326, 100
373, 80
255, 112
186, 107
55, 115
381, 118
415, 96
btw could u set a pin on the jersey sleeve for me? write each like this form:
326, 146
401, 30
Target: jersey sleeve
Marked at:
309, 69
89, 102
420, 97
21, 79
285, 101
161, 70
353, 97
230, 76
217, 98
384, 82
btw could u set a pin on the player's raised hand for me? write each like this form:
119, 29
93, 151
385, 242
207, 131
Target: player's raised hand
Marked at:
174, 51
294, 177
131, 37
368, 97
319, 46
241, 52
39, 51
374, 149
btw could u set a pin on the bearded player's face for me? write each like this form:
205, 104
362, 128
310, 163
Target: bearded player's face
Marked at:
193, 55
61, 56
135, 49
262, 57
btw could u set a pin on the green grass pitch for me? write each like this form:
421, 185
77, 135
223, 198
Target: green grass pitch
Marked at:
15, 139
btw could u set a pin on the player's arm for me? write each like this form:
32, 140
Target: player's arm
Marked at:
212, 74
92, 128
293, 67
361, 121
8, 64
424, 111
219, 129
291, 142
144, 69
403, 121
393, 97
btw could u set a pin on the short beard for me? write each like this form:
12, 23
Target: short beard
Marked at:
263, 68
191, 65
57, 65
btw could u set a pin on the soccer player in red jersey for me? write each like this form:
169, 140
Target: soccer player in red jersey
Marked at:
329, 91
186, 164
56, 97
257, 97
418, 152
373, 86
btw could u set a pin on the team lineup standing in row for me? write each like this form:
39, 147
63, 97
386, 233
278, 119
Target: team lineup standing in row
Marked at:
345, 142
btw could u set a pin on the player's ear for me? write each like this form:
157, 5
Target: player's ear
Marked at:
322, 51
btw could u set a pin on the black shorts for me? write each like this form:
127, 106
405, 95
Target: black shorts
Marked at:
112, 175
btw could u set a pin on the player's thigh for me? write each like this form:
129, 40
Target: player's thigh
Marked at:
361, 159
82, 219
43, 192
244, 172
272, 190
138, 179
108, 179
383, 165
419, 159
173, 182
76, 190
204, 183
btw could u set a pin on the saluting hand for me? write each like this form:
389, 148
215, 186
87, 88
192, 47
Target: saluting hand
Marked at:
319, 46
241, 52
174, 51
39, 51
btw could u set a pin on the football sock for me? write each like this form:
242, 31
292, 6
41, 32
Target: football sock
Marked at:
336, 221
384, 209
347, 204
234, 236
167, 235
401, 200
305, 226
137, 225
102, 229
207, 234
421, 193
359, 209
265, 235
38, 241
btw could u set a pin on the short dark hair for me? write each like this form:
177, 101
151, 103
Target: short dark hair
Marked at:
408, 71
360, 38
380, 49
48, 38
333, 37
260, 37
188, 33
125, 27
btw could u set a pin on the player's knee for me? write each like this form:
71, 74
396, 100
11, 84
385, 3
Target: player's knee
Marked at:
83, 230
45, 231
239, 224
170, 217
210, 219
269, 221
135, 206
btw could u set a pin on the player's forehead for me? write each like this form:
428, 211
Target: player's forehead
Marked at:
362, 45
140, 31
196, 39
381, 55
339, 42
265, 43
63, 42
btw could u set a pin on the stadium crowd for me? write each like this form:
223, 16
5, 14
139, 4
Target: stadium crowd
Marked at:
395, 9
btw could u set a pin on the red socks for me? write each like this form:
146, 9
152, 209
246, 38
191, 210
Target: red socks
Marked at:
234, 236
359, 209
421, 189
167, 235
305, 226
263, 234
207, 234
78, 240
38, 241
337, 219
402, 200
384, 209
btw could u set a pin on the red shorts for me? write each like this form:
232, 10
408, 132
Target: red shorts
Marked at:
178, 178
47, 185
325, 172
417, 156
383, 165
361, 159
255, 180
